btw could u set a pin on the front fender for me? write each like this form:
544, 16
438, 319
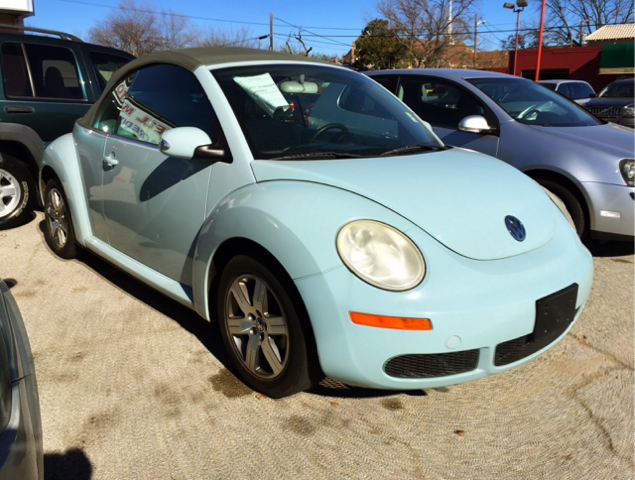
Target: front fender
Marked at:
60, 160
296, 222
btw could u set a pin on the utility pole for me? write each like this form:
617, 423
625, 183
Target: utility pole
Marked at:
271, 31
475, 33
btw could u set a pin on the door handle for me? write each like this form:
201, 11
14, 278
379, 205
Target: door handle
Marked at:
17, 109
110, 161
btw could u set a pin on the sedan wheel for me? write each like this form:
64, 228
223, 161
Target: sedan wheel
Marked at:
263, 328
59, 233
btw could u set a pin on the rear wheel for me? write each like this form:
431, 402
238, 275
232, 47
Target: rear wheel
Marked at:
264, 328
572, 203
59, 232
17, 192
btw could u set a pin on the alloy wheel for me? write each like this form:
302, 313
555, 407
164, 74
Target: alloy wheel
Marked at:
10, 193
256, 324
56, 221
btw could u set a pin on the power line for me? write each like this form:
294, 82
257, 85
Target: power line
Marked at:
313, 33
110, 7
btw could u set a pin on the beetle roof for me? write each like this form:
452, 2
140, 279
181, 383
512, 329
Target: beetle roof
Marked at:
191, 59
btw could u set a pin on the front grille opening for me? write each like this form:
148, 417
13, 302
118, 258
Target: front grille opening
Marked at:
432, 365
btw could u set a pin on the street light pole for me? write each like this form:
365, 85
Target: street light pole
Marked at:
476, 24
521, 6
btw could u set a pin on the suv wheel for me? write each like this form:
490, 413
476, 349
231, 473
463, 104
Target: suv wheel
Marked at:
17, 192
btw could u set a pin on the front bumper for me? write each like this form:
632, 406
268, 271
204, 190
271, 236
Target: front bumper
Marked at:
612, 208
473, 306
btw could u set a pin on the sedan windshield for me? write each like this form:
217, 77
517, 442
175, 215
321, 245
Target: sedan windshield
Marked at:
303, 111
527, 102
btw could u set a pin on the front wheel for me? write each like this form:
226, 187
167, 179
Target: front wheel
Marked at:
574, 207
264, 328
17, 192
59, 232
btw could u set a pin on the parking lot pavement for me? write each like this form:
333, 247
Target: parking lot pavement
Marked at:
135, 386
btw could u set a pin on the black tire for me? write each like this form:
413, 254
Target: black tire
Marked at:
572, 203
59, 233
268, 336
17, 192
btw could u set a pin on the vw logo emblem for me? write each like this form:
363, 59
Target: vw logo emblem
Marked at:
515, 228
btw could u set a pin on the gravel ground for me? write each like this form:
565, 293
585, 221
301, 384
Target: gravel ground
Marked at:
135, 386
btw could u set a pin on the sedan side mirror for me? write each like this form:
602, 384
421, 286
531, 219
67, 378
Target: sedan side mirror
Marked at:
474, 124
191, 143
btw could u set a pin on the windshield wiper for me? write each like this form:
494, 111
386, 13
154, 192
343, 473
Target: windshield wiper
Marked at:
412, 148
317, 156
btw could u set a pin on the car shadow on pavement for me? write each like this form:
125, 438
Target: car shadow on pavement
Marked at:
334, 388
64, 466
208, 334
600, 248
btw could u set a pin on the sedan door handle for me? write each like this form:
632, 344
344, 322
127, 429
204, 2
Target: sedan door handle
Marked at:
110, 161
17, 109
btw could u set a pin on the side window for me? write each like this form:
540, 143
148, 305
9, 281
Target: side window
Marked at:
155, 99
580, 90
387, 81
441, 103
14, 71
105, 65
54, 72
563, 89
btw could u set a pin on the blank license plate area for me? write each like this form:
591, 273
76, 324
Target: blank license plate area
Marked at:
555, 312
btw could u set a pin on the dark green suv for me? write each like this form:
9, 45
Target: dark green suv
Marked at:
47, 83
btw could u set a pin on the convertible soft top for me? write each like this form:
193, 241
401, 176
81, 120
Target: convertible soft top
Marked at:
191, 59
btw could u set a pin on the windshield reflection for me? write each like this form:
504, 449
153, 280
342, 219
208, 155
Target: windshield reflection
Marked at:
300, 111
529, 103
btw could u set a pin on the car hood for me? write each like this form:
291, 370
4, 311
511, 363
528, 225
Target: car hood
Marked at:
609, 102
608, 138
457, 196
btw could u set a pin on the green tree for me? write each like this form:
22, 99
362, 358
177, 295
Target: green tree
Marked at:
378, 46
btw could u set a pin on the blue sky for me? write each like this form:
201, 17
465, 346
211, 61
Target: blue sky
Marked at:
334, 24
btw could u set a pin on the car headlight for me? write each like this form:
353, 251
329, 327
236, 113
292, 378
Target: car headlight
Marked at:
561, 206
627, 169
628, 111
380, 255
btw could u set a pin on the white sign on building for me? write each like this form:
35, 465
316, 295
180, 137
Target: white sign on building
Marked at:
17, 6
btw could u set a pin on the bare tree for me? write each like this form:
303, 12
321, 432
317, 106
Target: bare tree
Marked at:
427, 27
303, 50
243, 37
568, 18
137, 30
176, 31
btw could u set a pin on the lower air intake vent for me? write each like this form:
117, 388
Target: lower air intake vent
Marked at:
433, 365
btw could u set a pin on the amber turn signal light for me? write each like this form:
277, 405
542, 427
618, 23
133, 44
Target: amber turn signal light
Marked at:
399, 323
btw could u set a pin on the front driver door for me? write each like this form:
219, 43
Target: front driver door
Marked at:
444, 104
154, 205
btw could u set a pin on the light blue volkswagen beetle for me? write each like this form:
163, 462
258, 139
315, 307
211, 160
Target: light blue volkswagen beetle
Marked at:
320, 221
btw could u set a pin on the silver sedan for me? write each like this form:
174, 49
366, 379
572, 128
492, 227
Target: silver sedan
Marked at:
584, 161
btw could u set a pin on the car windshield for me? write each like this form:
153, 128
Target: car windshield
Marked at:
618, 90
304, 111
529, 103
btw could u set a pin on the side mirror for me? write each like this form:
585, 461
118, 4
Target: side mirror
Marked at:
191, 143
474, 124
